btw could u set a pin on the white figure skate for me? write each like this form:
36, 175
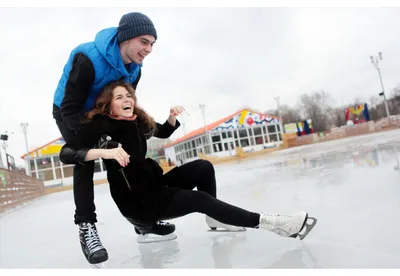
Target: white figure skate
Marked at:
215, 224
288, 225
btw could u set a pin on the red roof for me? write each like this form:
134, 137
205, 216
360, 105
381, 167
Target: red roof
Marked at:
211, 126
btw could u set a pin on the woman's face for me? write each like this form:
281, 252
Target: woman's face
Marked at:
122, 103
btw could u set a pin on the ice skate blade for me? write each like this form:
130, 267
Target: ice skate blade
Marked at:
151, 238
98, 266
226, 230
308, 227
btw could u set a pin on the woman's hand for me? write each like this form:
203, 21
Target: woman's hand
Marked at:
176, 110
118, 154
173, 112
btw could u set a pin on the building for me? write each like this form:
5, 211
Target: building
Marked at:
247, 129
44, 162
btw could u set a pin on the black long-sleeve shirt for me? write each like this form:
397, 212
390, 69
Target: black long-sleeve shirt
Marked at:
80, 80
131, 135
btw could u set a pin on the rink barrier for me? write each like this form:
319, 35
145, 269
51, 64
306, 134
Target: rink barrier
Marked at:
391, 123
50, 190
17, 188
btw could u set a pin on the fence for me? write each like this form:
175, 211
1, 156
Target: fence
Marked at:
292, 140
17, 188
345, 131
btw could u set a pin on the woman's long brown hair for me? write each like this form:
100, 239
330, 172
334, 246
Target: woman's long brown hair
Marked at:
103, 104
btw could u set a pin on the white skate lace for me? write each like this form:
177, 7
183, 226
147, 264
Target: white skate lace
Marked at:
92, 238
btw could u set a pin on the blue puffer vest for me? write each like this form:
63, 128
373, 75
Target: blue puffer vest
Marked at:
105, 55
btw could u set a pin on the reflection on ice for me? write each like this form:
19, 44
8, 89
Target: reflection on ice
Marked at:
352, 186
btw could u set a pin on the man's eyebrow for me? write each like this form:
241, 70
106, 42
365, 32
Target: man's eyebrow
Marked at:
146, 40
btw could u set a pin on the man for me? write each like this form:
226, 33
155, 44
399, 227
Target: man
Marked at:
116, 53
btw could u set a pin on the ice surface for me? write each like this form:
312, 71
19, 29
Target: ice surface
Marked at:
350, 185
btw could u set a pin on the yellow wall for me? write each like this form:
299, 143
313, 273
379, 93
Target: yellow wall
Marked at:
47, 150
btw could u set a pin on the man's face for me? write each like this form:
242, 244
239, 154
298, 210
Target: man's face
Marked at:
136, 49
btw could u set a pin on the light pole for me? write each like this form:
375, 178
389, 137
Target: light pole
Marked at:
278, 106
184, 126
203, 111
4, 138
25, 131
1, 157
375, 62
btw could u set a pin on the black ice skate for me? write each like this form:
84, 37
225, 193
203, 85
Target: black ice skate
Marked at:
161, 231
91, 245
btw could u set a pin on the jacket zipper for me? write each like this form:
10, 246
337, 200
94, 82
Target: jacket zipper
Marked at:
122, 169
126, 180
140, 140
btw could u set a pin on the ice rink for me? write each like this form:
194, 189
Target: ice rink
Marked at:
351, 186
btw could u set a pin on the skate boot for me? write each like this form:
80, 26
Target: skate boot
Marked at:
91, 245
161, 226
214, 224
288, 225
161, 231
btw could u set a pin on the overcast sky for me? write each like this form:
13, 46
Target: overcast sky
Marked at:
225, 58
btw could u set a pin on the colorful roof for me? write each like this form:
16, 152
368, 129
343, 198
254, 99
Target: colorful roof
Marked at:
227, 122
51, 147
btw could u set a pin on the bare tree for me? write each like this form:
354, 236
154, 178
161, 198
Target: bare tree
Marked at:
395, 92
273, 112
395, 100
317, 107
358, 100
338, 117
287, 113
290, 114
373, 104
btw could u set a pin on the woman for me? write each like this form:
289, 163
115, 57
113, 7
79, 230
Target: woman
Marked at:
138, 186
